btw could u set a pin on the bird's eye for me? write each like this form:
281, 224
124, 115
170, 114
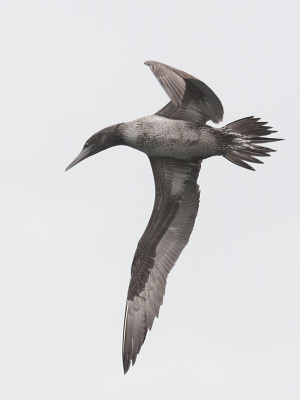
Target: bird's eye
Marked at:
86, 145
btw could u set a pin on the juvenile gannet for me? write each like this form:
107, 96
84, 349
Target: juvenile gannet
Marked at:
176, 139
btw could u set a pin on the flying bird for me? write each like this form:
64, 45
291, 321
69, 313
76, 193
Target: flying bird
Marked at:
176, 139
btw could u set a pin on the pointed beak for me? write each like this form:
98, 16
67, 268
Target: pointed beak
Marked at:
85, 153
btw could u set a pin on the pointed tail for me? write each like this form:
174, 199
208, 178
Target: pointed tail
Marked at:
248, 134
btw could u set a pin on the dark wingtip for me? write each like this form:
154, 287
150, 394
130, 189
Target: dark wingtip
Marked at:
126, 364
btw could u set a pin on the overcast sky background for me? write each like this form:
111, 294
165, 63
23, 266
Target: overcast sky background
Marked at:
230, 324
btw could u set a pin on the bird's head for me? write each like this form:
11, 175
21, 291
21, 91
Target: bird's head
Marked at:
102, 140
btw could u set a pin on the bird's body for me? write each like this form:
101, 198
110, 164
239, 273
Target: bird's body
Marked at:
162, 137
176, 139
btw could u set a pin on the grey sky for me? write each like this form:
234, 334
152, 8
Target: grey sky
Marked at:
229, 326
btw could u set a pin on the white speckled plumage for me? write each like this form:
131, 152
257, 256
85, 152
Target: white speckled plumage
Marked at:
162, 137
176, 139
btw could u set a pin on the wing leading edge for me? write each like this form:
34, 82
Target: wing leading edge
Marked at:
167, 233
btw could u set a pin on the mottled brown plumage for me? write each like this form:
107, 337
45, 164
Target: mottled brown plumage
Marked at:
176, 140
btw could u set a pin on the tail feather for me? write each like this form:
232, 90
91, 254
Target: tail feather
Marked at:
247, 134
263, 139
258, 152
235, 158
247, 156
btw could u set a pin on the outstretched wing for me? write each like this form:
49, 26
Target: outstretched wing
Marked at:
168, 231
191, 99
